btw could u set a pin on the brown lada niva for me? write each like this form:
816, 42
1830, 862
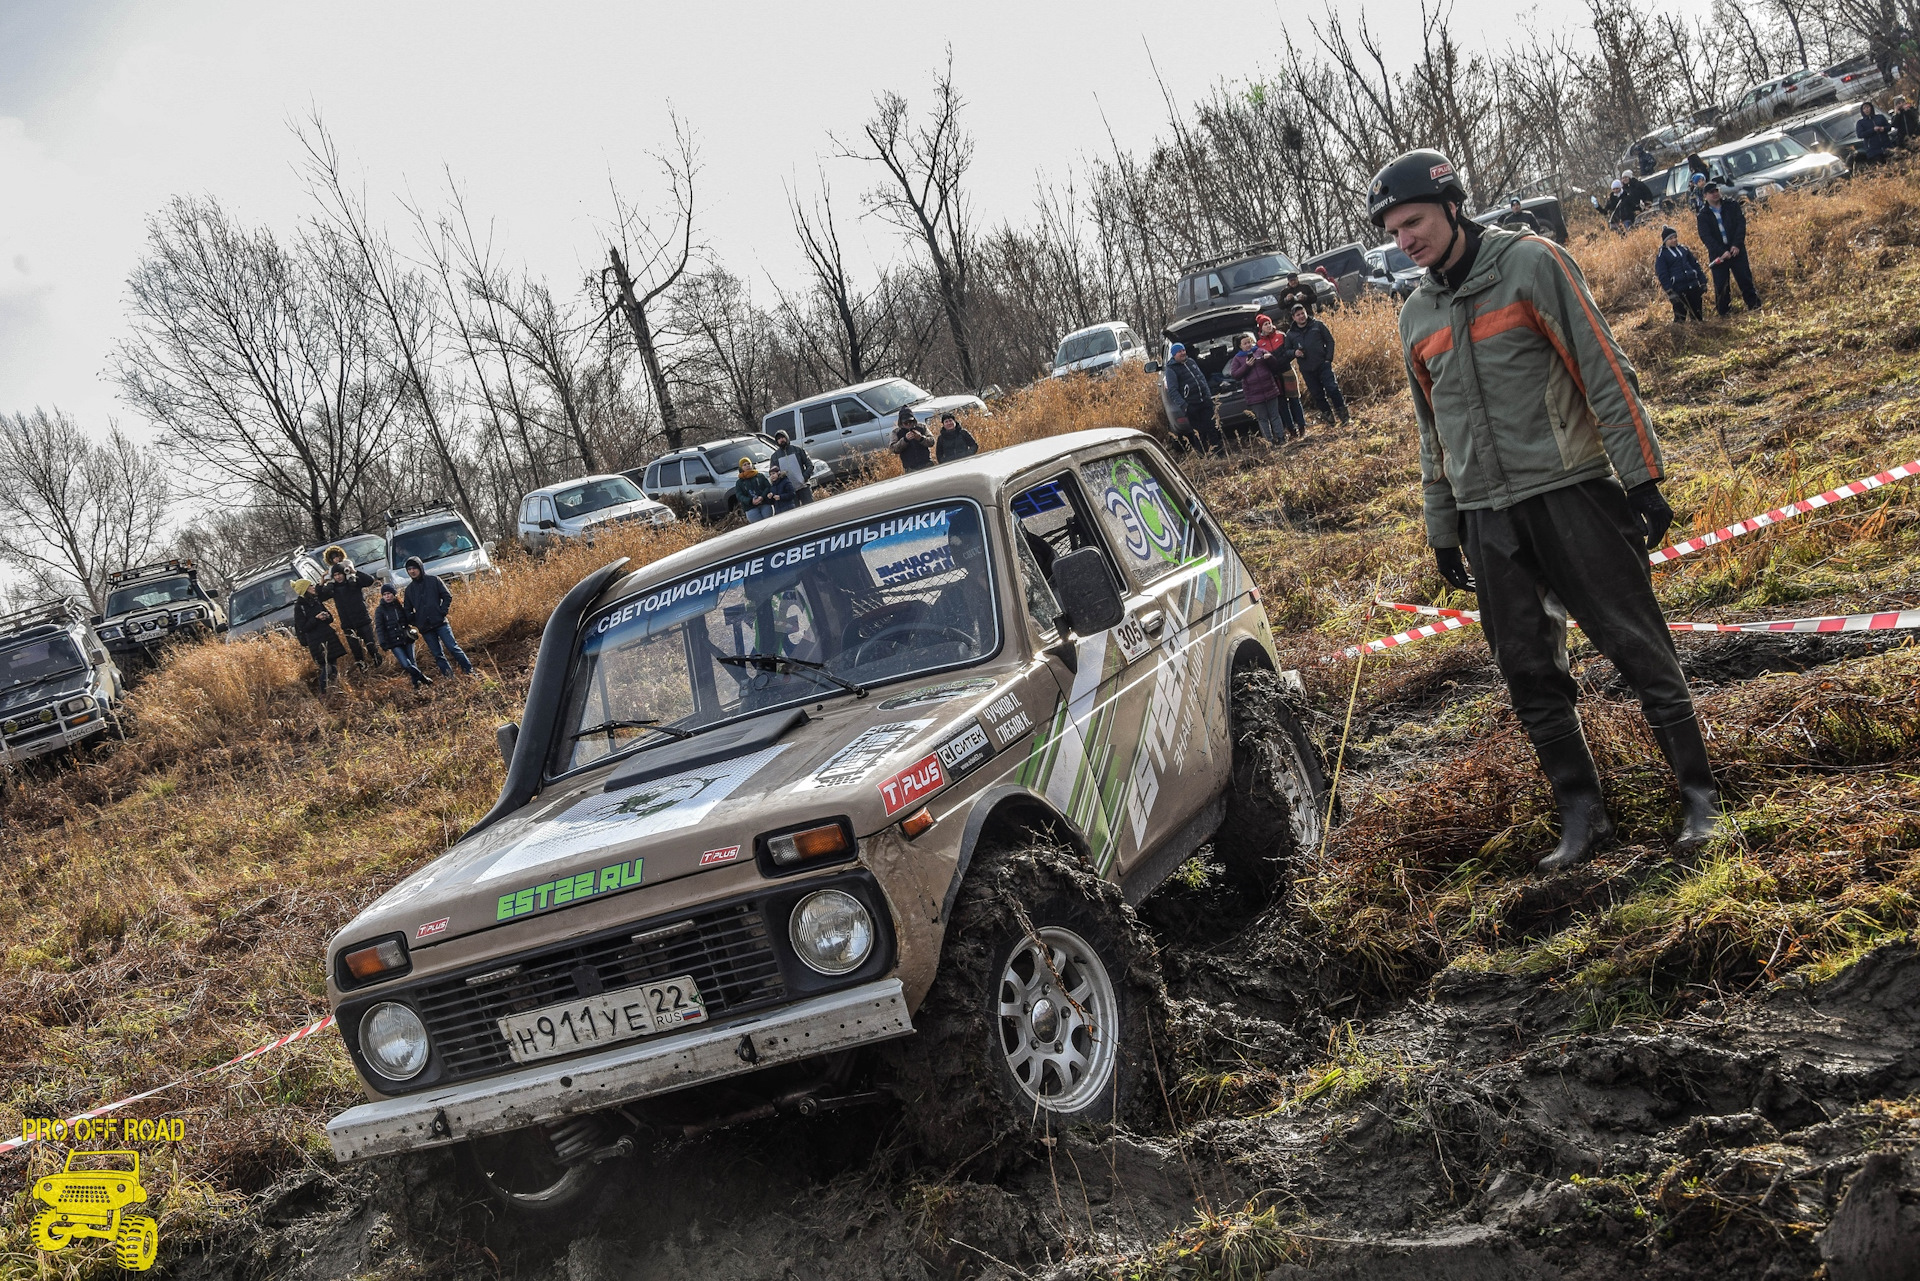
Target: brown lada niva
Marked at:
898, 757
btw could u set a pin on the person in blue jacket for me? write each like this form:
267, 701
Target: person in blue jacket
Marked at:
1681, 276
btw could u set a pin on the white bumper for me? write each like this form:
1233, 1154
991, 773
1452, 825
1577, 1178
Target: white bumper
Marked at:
544, 1092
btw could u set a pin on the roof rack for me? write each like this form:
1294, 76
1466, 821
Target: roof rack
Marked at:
397, 514
271, 562
66, 609
1246, 251
178, 565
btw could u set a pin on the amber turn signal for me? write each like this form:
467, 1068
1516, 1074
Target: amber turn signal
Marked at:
369, 963
808, 844
915, 823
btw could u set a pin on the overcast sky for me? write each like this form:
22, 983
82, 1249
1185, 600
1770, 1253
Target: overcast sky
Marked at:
109, 107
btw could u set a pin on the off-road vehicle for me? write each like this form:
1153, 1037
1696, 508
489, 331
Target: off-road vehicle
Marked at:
698, 480
443, 540
895, 762
58, 685
149, 606
1257, 276
262, 597
93, 1203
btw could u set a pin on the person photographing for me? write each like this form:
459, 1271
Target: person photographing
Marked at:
1539, 461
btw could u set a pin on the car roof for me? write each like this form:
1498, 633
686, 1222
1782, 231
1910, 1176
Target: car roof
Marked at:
557, 486
853, 390
1767, 135
975, 477
1091, 329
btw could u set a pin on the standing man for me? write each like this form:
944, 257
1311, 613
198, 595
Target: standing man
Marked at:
428, 601
1299, 291
1680, 276
1906, 120
1518, 219
395, 630
954, 442
792, 469
1314, 341
346, 588
1528, 411
1723, 230
1874, 133
1188, 383
911, 442
1648, 161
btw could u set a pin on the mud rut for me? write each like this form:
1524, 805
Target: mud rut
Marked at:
1516, 1148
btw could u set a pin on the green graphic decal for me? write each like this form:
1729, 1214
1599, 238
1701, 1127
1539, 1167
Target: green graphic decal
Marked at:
568, 889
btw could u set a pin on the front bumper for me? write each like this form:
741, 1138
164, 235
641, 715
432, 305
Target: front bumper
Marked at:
39, 739
543, 1092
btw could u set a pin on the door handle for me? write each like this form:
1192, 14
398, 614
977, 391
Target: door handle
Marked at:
1154, 620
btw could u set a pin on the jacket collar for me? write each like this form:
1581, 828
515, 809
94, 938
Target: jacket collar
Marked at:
1494, 244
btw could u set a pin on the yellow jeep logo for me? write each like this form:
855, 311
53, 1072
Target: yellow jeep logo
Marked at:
92, 1203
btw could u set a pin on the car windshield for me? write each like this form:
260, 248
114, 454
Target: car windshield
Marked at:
1095, 342
366, 549
261, 597
726, 458
1245, 275
38, 660
433, 542
593, 496
160, 591
887, 398
1761, 155
889, 598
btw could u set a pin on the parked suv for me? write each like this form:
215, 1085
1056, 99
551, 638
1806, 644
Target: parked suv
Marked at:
837, 425
58, 685
1834, 130
443, 540
262, 596
150, 605
1098, 349
699, 481
1758, 166
1782, 96
576, 508
1255, 276
891, 764
1210, 338
1856, 78
366, 552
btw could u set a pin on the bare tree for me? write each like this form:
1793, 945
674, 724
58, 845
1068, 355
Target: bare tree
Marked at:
924, 195
651, 256
73, 509
854, 339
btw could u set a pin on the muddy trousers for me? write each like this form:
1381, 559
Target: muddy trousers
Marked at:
1580, 551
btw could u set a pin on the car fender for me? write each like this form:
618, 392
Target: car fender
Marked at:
1004, 801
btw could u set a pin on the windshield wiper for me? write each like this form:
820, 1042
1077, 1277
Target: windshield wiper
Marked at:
787, 666
607, 726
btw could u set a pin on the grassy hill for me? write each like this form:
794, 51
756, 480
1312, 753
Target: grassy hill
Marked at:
1649, 1062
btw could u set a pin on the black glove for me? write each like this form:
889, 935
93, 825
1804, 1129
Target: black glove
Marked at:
1655, 516
1453, 568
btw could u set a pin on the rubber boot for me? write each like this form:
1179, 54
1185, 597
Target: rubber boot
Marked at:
1584, 825
1686, 752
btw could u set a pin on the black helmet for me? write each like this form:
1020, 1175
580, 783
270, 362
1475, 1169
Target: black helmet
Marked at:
1418, 175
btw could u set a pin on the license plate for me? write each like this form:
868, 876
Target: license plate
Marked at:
589, 1021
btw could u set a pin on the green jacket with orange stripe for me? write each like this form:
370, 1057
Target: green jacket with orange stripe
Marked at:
1519, 385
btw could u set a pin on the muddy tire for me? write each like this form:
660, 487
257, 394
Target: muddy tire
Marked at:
1046, 1012
524, 1179
1277, 800
137, 1242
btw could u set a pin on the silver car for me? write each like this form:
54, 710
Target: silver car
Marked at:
263, 595
1756, 167
839, 424
443, 540
575, 508
699, 480
365, 552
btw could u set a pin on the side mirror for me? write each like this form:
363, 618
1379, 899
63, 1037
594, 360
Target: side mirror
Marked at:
1153, 366
508, 737
701, 479
99, 619
547, 524
1087, 593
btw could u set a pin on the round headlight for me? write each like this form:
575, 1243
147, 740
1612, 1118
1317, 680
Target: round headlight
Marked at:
831, 931
394, 1040
79, 704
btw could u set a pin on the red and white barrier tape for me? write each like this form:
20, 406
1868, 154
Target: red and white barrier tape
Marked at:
1801, 507
298, 1034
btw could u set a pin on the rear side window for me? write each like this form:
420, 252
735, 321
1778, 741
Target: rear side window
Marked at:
1148, 523
781, 422
670, 474
817, 420
652, 480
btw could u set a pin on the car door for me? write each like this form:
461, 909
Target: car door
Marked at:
1172, 562
667, 485
701, 487
1106, 679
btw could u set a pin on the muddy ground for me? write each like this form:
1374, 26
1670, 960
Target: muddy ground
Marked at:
1470, 1128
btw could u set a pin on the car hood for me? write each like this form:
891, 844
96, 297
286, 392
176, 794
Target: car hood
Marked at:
471, 562
34, 693
1798, 167
619, 511
925, 409
282, 617
1090, 362
683, 823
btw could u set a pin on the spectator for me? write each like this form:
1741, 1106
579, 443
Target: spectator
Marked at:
1630, 196
911, 442
347, 590
1298, 290
1697, 192
1272, 339
955, 442
394, 629
1906, 121
313, 626
1680, 276
1697, 166
427, 601
1255, 370
1648, 161
753, 492
1874, 132
1314, 343
1723, 230
792, 472
1188, 383
1518, 219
